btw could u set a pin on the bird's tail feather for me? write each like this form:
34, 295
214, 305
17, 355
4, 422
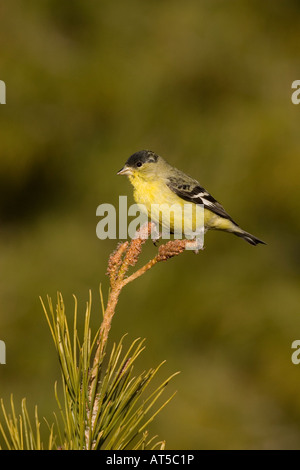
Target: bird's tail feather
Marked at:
248, 237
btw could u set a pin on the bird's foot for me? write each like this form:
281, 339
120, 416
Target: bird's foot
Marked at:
155, 234
155, 240
196, 245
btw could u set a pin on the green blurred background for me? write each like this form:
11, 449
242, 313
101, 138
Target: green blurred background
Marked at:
207, 85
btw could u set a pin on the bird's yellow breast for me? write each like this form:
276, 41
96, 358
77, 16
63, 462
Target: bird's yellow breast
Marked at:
164, 207
152, 192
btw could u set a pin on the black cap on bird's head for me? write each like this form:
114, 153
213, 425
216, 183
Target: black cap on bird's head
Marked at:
137, 160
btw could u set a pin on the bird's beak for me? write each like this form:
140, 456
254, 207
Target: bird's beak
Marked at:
125, 171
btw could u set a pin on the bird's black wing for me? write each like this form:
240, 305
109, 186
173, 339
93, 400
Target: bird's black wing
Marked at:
191, 191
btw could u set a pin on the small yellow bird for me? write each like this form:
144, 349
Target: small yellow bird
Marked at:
156, 182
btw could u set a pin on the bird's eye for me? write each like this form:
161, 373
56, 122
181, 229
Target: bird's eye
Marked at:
139, 164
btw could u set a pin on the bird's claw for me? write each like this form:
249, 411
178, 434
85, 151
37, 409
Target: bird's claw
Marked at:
194, 245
